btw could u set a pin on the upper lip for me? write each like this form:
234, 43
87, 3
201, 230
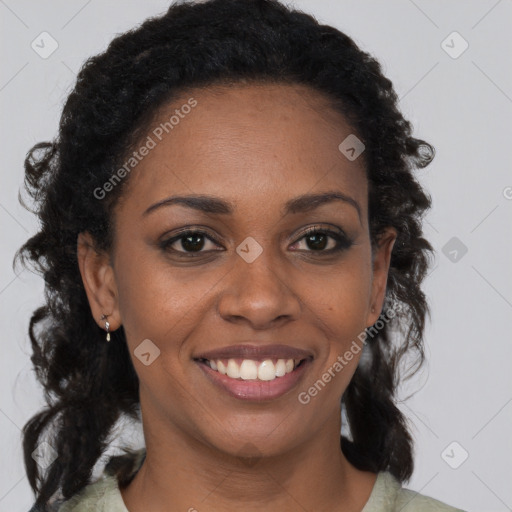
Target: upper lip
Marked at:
255, 352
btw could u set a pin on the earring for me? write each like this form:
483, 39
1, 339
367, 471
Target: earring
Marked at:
373, 309
107, 326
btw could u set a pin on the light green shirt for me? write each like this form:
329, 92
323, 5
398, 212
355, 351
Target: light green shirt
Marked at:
387, 496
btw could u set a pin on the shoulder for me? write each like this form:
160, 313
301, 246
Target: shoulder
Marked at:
100, 496
104, 495
388, 495
411, 501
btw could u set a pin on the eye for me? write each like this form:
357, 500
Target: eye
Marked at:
317, 240
191, 242
188, 242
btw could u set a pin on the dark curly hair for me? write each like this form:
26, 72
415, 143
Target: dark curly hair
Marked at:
89, 384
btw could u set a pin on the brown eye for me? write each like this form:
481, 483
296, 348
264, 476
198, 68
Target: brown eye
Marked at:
325, 240
193, 242
317, 241
188, 242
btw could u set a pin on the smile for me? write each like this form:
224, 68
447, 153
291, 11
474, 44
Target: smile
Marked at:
264, 380
249, 369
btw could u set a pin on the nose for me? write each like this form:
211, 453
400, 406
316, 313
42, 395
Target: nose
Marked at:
259, 293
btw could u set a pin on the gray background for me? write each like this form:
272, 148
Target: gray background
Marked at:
461, 105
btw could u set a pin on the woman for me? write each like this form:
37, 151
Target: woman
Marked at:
232, 250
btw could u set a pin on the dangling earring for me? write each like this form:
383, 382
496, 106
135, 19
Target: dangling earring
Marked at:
107, 326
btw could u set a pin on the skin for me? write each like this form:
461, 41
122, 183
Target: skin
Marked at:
256, 146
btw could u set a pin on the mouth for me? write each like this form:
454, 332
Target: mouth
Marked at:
255, 373
250, 369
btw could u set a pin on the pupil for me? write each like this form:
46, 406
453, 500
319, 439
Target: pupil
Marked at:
193, 242
316, 244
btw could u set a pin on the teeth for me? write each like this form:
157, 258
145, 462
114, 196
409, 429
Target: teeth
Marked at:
267, 370
248, 369
221, 368
280, 368
233, 370
254, 370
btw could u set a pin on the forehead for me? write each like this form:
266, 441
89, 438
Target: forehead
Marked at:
248, 141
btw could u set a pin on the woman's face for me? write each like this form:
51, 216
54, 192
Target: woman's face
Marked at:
252, 286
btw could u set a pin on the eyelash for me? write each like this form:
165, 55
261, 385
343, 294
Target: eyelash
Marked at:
342, 241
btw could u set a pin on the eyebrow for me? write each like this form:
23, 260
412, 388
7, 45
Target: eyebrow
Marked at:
217, 206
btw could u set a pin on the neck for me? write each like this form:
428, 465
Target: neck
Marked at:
183, 473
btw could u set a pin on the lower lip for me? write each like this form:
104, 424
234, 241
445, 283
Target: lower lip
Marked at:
255, 390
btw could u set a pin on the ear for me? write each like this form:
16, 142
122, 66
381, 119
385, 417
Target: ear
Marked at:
381, 261
99, 281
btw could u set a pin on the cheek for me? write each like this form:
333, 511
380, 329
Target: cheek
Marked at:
340, 309
158, 302
341, 298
